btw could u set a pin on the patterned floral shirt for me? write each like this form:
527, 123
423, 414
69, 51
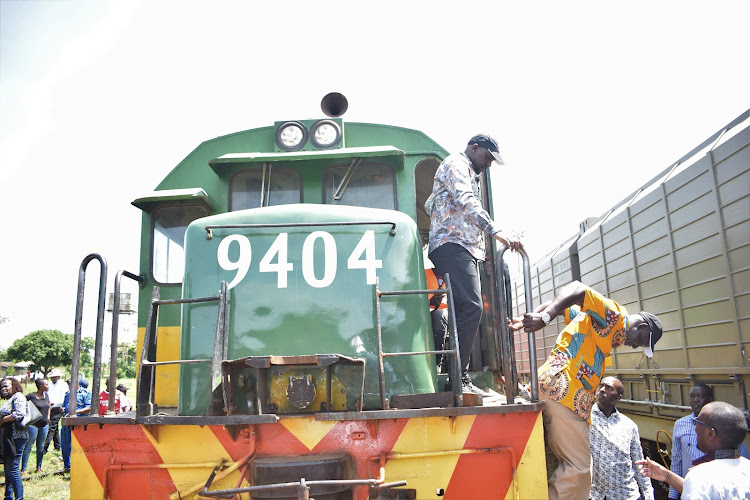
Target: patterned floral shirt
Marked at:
575, 367
615, 446
455, 209
16, 406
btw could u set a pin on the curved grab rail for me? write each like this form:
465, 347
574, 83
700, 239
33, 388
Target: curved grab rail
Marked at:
77, 332
506, 342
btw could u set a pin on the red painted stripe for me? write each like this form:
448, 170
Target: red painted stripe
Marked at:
484, 475
130, 445
360, 439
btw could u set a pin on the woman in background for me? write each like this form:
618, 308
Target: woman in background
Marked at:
37, 430
12, 436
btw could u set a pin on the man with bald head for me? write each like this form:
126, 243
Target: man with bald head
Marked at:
594, 325
721, 429
685, 452
615, 447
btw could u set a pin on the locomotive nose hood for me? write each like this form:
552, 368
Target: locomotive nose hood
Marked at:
311, 270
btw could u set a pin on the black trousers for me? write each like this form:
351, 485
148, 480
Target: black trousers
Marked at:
53, 435
456, 261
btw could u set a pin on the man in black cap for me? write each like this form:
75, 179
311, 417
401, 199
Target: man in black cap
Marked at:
458, 224
594, 325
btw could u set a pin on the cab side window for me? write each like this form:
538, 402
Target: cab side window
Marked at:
168, 253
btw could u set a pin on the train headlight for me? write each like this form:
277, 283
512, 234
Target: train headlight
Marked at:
326, 134
291, 136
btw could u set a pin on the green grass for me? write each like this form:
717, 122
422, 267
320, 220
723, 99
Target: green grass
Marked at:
46, 486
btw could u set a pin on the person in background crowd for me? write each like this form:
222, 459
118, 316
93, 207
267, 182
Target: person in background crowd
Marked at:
125, 404
594, 326
83, 406
720, 428
12, 437
684, 438
615, 448
56, 392
104, 399
458, 225
37, 430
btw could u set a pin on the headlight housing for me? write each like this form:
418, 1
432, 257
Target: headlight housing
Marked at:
291, 136
325, 134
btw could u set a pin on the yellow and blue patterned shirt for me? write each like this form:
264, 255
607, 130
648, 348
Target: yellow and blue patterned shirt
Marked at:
573, 371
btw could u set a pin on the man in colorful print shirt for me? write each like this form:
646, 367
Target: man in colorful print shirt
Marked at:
594, 326
458, 224
615, 448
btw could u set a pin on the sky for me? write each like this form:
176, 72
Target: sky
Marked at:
99, 101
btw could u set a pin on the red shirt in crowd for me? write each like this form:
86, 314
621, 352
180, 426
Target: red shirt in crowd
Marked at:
104, 401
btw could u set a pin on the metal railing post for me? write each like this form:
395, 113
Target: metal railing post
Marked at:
511, 381
115, 325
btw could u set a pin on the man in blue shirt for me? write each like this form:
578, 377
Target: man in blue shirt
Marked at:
684, 438
83, 406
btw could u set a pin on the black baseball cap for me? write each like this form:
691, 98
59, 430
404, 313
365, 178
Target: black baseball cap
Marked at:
487, 142
656, 330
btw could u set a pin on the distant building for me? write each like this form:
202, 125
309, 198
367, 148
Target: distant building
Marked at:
21, 370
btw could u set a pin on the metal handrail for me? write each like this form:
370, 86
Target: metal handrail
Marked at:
72, 397
507, 344
147, 369
209, 229
455, 371
302, 486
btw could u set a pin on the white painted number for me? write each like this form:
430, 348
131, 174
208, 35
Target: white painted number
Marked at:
282, 266
365, 246
242, 264
276, 259
329, 262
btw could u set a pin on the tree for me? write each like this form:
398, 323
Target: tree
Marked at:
49, 348
126, 367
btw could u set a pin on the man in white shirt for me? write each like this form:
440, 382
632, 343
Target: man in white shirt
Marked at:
615, 447
721, 428
125, 404
685, 452
56, 392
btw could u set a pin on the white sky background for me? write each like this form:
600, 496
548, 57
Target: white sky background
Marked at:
100, 100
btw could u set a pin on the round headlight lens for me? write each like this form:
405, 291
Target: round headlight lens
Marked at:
291, 136
326, 134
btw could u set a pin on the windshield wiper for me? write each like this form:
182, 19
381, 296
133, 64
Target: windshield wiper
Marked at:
341, 189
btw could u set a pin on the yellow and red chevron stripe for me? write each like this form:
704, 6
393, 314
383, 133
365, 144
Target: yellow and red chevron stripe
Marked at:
483, 456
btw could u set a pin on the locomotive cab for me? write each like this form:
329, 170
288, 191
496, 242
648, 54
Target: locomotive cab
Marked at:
299, 229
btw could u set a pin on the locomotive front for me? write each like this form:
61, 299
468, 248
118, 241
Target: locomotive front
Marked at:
283, 324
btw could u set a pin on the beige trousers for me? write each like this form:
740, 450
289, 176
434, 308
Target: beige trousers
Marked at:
568, 438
